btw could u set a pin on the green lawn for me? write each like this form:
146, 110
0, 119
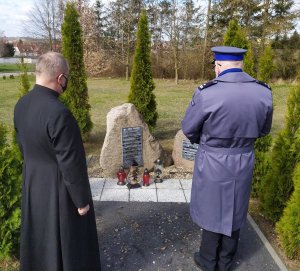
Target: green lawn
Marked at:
172, 101
15, 67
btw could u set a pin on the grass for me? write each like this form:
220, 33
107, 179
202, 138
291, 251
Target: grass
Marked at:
9, 265
7, 68
104, 94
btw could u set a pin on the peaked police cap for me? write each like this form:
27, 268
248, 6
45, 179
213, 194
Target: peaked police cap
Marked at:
223, 53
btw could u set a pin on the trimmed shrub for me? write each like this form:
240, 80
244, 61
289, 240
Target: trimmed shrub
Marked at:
141, 81
288, 228
10, 196
24, 85
278, 184
11, 76
4, 77
265, 65
76, 96
262, 163
249, 62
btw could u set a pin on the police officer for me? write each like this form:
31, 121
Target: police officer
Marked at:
225, 117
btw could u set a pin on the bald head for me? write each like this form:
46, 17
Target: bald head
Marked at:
51, 64
50, 68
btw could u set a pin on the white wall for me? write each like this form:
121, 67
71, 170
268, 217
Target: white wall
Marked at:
14, 60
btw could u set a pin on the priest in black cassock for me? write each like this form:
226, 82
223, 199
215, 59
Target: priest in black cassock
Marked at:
58, 229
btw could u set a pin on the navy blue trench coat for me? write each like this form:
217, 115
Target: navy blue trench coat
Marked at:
225, 117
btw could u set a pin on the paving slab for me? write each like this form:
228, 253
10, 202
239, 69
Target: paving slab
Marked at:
169, 184
186, 184
143, 195
187, 194
113, 184
144, 236
115, 195
170, 195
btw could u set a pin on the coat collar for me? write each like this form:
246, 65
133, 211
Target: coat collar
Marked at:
45, 90
230, 70
235, 77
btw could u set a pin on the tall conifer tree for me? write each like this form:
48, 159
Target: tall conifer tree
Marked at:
265, 64
141, 81
278, 184
236, 37
76, 95
262, 145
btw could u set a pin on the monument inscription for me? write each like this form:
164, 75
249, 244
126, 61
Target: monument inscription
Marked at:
132, 146
189, 150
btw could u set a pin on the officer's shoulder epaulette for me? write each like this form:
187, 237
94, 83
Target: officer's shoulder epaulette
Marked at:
208, 84
263, 84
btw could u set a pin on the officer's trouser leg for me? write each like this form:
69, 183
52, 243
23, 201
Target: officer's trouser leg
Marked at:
228, 248
209, 249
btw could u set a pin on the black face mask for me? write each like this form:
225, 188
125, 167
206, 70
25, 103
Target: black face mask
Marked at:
64, 87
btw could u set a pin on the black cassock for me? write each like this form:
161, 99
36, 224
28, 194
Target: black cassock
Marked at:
54, 237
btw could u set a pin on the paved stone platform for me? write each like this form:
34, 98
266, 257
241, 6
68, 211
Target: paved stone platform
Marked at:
150, 229
170, 190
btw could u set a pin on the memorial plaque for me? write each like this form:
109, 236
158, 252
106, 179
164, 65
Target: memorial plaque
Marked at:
132, 146
189, 150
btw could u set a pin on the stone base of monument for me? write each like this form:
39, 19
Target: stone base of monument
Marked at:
184, 152
128, 141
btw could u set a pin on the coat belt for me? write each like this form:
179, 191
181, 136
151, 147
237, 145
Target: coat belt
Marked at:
227, 151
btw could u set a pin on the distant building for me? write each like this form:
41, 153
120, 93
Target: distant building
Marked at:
28, 49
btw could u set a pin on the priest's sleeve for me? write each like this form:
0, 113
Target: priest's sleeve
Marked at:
65, 137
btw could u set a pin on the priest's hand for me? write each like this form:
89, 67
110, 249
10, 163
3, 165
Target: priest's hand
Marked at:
84, 210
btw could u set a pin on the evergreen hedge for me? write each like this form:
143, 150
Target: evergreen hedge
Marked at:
278, 184
76, 96
141, 81
235, 36
10, 183
249, 62
10, 196
265, 65
288, 227
262, 163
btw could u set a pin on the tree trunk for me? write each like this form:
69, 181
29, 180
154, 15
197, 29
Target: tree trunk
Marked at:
127, 72
127, 58
176, 66
205, 38
265, 22
50, 40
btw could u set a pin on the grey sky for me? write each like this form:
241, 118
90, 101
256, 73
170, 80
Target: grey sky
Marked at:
13, 13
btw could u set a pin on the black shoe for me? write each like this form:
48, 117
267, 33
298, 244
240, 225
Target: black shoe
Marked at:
198, 262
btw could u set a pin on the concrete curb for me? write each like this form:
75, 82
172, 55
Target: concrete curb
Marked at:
266, 243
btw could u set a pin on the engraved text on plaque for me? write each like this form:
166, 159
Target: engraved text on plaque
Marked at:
132, 146
189, 150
